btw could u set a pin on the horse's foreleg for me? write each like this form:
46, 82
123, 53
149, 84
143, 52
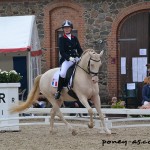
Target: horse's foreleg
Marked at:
97, 104
56, 111
91, 123
84, 101
52, 114
60, 115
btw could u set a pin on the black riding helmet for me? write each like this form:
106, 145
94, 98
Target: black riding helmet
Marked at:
67, 23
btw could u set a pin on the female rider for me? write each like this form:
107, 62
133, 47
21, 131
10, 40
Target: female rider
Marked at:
70, 51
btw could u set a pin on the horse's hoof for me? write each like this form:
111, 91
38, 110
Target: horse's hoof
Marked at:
107, 131
74, 132
90, 125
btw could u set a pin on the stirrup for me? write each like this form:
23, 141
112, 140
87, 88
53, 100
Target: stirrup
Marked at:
57, 95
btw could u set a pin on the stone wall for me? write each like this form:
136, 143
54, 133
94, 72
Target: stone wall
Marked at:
98, 17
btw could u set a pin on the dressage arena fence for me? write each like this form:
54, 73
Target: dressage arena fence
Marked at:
43, 114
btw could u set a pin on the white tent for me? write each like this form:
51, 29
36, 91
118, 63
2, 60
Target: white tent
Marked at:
19, 39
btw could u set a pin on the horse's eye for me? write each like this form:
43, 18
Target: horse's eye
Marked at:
92, 65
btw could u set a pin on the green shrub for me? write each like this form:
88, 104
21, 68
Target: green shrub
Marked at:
9, 76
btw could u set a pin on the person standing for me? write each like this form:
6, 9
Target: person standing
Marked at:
70, 51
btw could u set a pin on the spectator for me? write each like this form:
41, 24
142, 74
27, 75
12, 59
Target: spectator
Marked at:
146, 92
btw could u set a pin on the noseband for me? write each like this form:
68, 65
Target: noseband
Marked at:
91, 72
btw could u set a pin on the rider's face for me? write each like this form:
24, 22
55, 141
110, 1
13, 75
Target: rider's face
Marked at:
67, 30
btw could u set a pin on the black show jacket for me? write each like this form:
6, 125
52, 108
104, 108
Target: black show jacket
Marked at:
69, 48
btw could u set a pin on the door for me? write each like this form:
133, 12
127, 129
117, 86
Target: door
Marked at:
133, 50
20, 65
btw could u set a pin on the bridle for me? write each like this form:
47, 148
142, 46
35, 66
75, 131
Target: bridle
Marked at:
91, 72
88, 68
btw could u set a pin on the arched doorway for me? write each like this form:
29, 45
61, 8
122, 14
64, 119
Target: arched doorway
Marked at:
54, 14
133, 51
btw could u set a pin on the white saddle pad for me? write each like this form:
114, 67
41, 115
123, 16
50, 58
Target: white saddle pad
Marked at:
54, 82
55, 79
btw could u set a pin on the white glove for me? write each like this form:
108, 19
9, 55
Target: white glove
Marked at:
71, 59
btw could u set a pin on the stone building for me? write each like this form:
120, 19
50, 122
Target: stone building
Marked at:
113, 25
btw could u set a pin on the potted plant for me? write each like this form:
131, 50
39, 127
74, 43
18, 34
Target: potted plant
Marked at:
117, 104
9, 76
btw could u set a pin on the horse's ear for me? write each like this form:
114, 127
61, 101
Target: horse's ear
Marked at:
101, 53
91, 52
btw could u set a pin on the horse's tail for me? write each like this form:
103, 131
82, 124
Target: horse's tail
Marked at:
33, 96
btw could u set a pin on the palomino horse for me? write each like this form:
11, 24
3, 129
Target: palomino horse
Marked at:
85, 86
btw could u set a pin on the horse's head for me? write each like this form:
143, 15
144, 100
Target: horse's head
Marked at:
94, 65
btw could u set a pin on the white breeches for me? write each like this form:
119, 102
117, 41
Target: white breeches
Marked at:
65, 66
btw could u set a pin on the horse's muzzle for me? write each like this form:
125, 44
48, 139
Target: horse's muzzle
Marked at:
95, 79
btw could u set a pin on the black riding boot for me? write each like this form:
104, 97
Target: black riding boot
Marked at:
60, 87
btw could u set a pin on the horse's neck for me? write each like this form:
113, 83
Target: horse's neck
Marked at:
84, 62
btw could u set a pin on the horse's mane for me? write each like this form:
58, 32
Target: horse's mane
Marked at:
87, 50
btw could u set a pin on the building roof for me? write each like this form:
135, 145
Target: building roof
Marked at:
18, 33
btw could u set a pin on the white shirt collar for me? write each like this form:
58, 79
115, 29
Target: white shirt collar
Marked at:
69, 36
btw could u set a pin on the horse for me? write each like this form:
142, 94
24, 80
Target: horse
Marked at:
85, 86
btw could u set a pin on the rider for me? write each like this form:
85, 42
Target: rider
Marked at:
70, 51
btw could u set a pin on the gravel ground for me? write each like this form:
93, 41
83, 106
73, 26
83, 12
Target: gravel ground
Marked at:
39, 138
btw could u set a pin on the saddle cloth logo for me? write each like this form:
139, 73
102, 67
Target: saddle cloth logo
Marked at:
55, 78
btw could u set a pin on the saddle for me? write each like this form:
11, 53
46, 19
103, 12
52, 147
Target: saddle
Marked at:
68, 80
